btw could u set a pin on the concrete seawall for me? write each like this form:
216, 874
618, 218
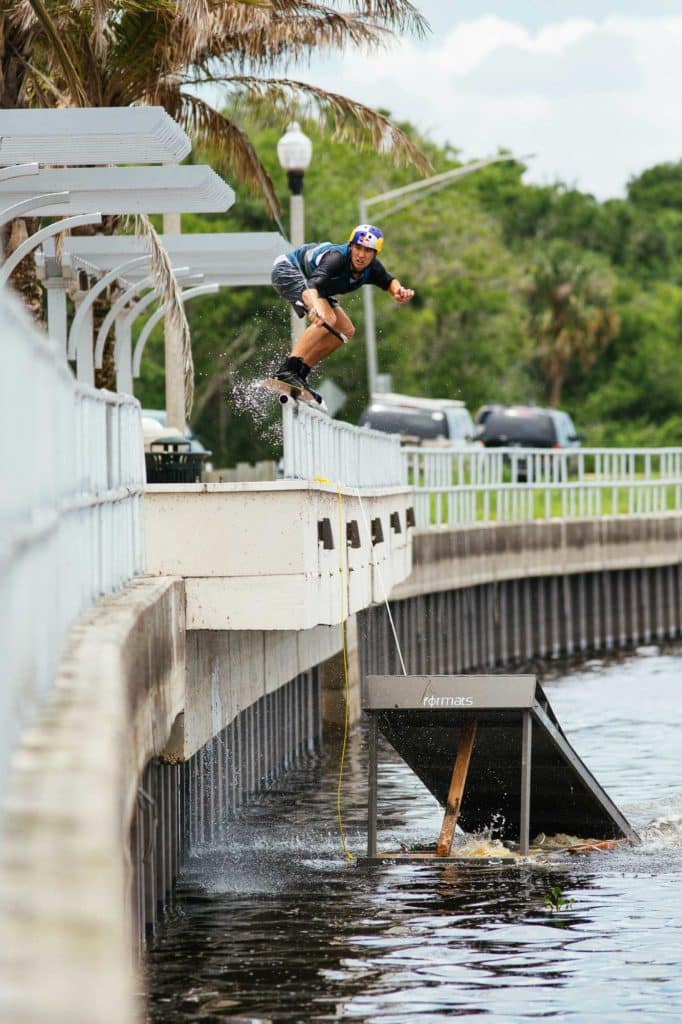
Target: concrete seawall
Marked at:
487, 596
450, 558
65, 928
229, 670
150, 736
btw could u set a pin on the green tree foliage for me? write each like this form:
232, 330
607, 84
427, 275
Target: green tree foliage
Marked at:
658, 188
471, 331
635, 396
641, 236
571, 313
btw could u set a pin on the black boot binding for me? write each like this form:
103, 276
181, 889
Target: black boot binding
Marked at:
293, 371
304, 377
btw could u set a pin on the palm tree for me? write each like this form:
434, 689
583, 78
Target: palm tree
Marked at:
122, 52
571, 317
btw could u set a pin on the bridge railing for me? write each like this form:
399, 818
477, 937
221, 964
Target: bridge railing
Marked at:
71, 492
517, 485
317, 446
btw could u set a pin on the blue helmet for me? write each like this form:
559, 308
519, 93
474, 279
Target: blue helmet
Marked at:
369, 236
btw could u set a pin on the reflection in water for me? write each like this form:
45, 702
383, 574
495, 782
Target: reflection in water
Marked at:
273, 923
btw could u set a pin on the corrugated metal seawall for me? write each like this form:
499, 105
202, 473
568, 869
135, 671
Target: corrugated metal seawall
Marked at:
513, 622
180, 806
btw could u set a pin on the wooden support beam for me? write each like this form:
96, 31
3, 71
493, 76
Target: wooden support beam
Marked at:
456, 791
372, 788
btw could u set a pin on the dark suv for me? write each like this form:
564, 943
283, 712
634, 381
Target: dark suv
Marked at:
525, 426
427, 421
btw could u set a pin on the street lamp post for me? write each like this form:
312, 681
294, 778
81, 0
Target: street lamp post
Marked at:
406, 196
294, 151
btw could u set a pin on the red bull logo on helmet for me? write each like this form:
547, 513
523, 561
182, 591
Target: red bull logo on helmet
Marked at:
368, 235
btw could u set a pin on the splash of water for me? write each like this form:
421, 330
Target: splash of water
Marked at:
245, 395
249, 398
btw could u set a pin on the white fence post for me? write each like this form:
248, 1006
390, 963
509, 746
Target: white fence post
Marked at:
317, 446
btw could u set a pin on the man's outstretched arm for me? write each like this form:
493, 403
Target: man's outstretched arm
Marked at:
400, 294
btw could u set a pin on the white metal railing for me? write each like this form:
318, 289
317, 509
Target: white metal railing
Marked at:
516, 485
317, 446
71, 492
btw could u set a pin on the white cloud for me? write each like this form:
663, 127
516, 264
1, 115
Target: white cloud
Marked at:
575, 69
597, 101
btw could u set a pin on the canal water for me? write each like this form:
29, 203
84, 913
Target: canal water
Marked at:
274, 923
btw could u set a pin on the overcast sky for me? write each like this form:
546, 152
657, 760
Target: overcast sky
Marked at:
593, 87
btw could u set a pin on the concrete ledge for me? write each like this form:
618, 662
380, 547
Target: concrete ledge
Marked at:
449, 558
65, 932
288, 555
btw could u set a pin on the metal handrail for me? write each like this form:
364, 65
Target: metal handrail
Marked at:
70, 513
318, 447
457, 486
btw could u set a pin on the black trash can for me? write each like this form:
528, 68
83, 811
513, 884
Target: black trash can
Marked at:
170, 461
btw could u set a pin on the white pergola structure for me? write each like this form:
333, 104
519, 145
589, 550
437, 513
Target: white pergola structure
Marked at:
207, 261
101, 135
95, 138
233, 258
105, 135
96, 190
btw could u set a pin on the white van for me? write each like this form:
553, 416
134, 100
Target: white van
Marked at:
429, 421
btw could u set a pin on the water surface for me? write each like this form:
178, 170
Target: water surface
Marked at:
275, 923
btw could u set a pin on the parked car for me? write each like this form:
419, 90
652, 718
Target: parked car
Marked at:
525, 426
485, 410
436, 421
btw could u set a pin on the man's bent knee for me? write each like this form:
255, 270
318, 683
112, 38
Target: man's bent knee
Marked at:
329, 315
345, 326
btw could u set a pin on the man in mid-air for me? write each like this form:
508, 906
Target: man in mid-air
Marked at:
310, 277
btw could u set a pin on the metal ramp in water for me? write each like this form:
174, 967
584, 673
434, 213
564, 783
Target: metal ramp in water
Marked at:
492, 752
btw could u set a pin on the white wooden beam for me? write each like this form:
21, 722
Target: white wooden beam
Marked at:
230, 259
99, 135
125, 189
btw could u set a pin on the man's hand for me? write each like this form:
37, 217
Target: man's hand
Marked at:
400, 294
318, 309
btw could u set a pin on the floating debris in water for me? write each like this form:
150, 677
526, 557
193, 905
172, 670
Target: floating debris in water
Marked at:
481, 847
648, 651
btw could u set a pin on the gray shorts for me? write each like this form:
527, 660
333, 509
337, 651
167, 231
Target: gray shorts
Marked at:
289, 282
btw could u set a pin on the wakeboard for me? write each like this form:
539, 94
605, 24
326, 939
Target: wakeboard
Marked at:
290, 391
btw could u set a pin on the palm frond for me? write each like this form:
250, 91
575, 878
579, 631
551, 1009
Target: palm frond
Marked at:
348, 119
21, 15
213, 131
41, 87
99, 13
194, 25
63, 52
170, 292
257, 39
398, 15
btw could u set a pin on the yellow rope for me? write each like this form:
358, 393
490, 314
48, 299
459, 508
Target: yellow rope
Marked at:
344, 648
